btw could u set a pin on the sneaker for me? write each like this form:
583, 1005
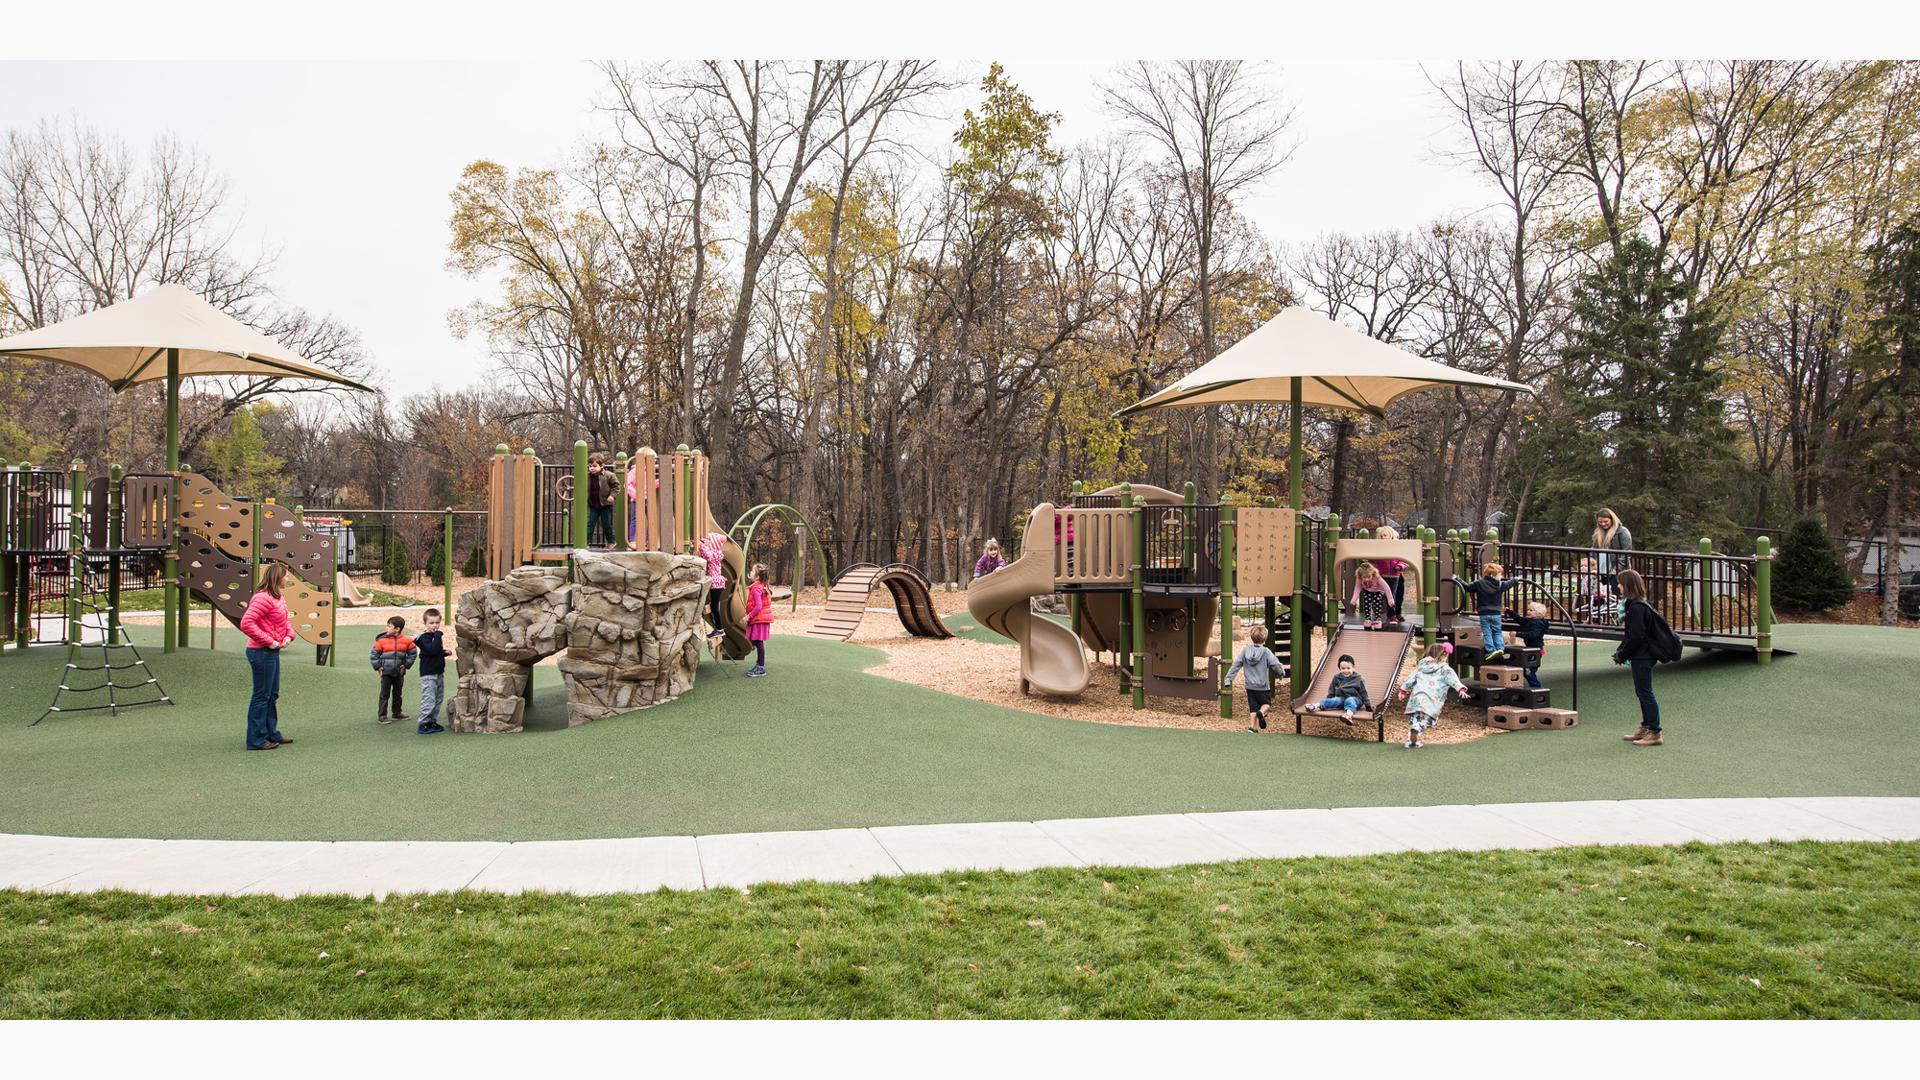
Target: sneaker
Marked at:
1417, 744
381, 720
1635, 737
1253, 731
401, 716
1652, 739
755, 672
1347, 718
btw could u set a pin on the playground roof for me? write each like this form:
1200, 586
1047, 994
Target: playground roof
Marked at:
1336, 367
126, 343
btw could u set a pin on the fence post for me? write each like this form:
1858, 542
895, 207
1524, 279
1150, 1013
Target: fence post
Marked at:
1429, 586
1705, 614
1227, 528
76, 536
578, 518
619, 506
1763, 603
1138, 644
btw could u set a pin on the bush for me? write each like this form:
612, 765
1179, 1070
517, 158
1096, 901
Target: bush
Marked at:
1809, 573
476, 565
395, 568
437, 561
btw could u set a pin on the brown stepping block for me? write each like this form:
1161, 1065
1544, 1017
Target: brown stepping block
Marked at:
1499, 675
1511, 717
1470, 636
1555, 719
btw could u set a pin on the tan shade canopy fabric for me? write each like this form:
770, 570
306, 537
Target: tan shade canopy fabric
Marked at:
126, 343
1337, 368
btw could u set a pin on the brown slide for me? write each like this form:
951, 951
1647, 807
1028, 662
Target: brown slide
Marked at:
1052, 660
1377, 658
847, 602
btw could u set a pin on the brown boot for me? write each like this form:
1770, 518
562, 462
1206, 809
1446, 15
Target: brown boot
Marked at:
1636, 736
1652, 739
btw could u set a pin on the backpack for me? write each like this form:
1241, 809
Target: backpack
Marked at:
1661, 640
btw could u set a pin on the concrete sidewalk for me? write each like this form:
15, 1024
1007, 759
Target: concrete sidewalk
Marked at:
377, 868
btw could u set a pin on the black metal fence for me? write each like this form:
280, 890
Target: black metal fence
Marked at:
1700, 595
362, 537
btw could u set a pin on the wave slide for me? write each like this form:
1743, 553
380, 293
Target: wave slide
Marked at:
733, 608
1051, 658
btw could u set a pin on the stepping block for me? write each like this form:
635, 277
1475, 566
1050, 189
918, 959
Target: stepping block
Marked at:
1511, 717
1522, 656
1555, 719
1502, 675
1469, 655
1475, 695
1536, 697
1511, 696
1468, 636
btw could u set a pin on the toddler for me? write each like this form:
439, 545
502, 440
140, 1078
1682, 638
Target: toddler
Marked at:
1347, 692
1262, 667
1533, 632
393, 653
1425, 692
1489, 595
433, 671
759, 619
1371, 596
1393, 572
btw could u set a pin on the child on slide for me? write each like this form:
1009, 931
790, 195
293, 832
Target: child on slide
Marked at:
713, 548
1347, 692
1262, 668
1425, 692
1371, 596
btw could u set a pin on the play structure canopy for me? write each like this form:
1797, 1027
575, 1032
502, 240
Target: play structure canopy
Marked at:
1303, 352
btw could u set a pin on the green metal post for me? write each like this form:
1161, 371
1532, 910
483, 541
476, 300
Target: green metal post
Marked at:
446, 562
1491, 551
1330, 576
1123, 648
1075, 615
172, 597
1706, 584
1226, 598
1763, 603
1139, 642
1429, 587
619, 512
579, 516
116, 476
1300, 669
76, 536
6, 557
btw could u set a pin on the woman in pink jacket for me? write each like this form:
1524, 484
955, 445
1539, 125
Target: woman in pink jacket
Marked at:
268, 630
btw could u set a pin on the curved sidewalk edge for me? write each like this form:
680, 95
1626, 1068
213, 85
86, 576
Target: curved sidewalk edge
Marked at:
736, 860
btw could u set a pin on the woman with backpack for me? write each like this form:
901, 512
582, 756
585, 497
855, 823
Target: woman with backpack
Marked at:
1647, 640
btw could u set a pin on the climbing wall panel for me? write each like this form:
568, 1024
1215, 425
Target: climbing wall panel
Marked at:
310, 609
308, 555
219, 579
1263, 551
204, 509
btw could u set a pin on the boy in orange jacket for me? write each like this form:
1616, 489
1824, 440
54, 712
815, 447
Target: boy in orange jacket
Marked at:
393, 653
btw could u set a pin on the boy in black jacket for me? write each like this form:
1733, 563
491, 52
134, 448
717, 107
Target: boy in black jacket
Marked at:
1489, 597
433, 671
1533, 632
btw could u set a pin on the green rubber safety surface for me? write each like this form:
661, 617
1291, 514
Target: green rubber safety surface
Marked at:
820, 744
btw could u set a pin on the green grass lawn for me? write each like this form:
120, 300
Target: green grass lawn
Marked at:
1779, 930
820, 744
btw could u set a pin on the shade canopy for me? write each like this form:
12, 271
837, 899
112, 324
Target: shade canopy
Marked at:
126, 343
1336, 368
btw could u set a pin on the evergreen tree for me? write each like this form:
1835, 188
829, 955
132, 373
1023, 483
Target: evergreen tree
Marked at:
476, 564
437, 561
1643, 428
395, 569
1809, 573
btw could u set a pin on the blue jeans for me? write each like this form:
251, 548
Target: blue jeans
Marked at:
1643, 689
263, 711
1533, 677
1490, 631
1340, 703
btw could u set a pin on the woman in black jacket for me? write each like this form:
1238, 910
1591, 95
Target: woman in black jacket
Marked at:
1636, 650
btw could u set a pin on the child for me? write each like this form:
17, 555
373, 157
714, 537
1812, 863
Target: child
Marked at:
759, 619
1489, 592
599, 502
393, 654
1425, 692
1595, 596
1347, 692
1392, 571
713, 548
1371, 596
1533, 631
1263, 667
990, 560
433, 671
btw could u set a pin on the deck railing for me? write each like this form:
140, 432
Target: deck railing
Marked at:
1093, 546
1700, 595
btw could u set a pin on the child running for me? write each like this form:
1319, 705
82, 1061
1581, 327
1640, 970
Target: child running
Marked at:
1262, 668
759, 619
1371, 596
433, 671
393, 653
1425, 692
713, 548
1347, 692
1533, 633
1489, 594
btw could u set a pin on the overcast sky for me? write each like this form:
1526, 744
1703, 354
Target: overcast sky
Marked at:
344, 169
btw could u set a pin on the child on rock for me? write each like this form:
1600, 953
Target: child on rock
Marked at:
759, 618
1262, 668
1347, 692
1371, 596
1425, 692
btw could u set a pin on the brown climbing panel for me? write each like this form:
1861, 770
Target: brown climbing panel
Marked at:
215, 576
206, 510
146, 509
308, 555
310, 610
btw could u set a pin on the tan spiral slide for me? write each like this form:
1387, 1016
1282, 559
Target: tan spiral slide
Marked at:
1052, 660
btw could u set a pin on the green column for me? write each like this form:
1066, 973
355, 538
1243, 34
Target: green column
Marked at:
1706, 584
1491, 551
1330, 576
76, 537
1074, 613
1226, 599
446, 564
1138, 644
1123, 647
173, 597
116, 501
1296, 498
1763, 603
1429, 587
578, 519
1301, 667
619, 515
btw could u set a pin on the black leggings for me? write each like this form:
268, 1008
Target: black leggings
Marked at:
760, 653
714, 597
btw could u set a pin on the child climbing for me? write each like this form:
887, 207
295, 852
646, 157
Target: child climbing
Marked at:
1425, 692
1393, 571
1533, 632
759, 619
1262, 668
1489, 595
713, 548
1371, 596
1347, 692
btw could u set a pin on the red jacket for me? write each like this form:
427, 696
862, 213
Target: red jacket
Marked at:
265, 623
759, 604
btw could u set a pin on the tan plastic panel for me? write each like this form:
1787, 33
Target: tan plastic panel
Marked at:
1263, 551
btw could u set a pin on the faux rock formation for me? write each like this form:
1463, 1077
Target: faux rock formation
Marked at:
630, 623
633, 633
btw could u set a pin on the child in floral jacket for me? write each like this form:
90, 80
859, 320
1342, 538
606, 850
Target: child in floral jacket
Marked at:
1425, 692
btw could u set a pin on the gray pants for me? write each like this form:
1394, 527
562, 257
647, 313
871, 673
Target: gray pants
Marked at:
432, 689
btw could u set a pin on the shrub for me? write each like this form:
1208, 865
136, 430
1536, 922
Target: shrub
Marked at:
396, 569
1809, 573
437, 561
476, 565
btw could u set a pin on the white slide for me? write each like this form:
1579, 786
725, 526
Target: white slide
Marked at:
1052, 660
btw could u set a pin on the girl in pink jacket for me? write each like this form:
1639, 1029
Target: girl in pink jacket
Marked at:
759, 618
713, 548
1372, 596
268, 630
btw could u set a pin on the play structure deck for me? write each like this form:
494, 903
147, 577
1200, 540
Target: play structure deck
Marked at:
847, 601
